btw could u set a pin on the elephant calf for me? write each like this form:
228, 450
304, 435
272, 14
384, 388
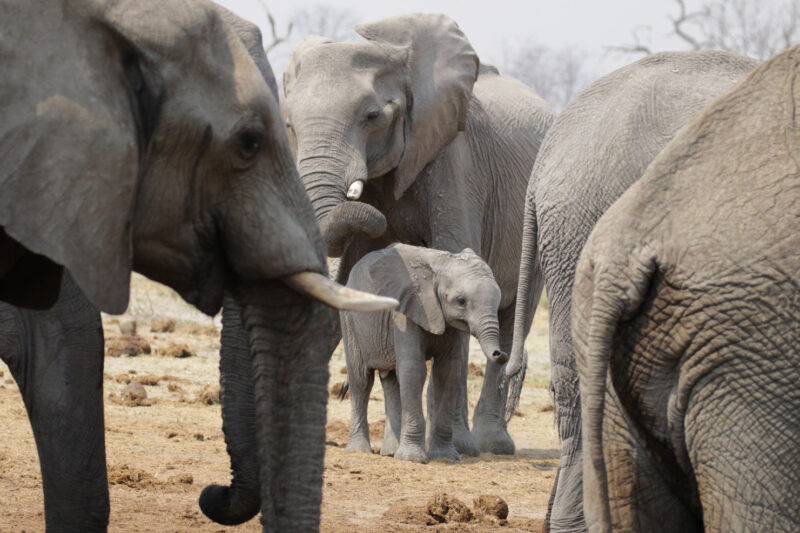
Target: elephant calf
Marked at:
443, 296
686, 319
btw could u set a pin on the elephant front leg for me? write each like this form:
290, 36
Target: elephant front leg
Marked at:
392, 407
446, 370
360, 387
463, 439
411, 373
59, 369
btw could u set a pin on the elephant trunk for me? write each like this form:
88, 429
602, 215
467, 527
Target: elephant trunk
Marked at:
488, 334
530, 275
287, 341
239, 502
328, 174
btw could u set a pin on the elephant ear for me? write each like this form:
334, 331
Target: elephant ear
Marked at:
69, 143
292, 69
405, 274
442, 68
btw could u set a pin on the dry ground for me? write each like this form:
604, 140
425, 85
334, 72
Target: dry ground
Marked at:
162, 453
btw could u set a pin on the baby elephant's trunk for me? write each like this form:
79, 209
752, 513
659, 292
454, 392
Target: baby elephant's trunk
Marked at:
488, 335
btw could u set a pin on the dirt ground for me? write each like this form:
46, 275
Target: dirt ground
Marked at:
162, 450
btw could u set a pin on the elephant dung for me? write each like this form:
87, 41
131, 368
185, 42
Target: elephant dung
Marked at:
177, 350
209, 395
130, 345
445, 508
489, 507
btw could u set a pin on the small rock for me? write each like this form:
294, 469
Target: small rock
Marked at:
127, 326
134, 394
162, 325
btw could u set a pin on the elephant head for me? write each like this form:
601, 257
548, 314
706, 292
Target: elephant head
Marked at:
377, 109
438, 289
143, 135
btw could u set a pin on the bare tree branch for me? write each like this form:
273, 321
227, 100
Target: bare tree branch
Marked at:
276, 39
637, 47
682, 19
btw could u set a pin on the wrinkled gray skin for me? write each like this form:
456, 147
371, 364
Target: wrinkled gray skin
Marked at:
599, 145
686, 325
445, 147
444, 298
119, 152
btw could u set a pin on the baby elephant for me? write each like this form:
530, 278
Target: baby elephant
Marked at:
443, 297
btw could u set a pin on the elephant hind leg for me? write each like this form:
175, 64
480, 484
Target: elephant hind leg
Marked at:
360, 381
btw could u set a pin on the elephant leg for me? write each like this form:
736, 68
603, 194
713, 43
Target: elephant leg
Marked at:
241, 501
488, 421
566, 513
56, 358
411, 373
445, 368
360, 381
392, 407
462, 437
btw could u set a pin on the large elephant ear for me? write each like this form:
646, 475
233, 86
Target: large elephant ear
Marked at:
69, 144
442, 68
403, 273
292, 69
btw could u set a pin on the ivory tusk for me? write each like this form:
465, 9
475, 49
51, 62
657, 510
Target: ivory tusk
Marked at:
319, 287
355, 190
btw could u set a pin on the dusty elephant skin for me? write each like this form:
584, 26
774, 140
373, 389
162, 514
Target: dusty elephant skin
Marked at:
443, 299
686, 325
119, 152
405, 137
599, 145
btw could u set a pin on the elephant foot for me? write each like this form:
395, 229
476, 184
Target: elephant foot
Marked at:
408, 452
389, 446
358, 445
445, 452
464, 442
566, 513
494, 440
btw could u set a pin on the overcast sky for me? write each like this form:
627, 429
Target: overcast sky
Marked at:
591, 25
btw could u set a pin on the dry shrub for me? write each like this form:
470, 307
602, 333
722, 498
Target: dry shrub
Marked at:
131, 477
177, 350
162, 325
209, 395
336, 390
130, 345
546, 409
474, 370
209, 330
444, 508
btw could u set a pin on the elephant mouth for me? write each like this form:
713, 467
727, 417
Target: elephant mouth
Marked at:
318, 287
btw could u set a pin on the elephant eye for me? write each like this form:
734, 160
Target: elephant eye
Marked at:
372, 114
249, 144
461, 301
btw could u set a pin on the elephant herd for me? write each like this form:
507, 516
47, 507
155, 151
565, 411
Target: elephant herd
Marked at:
660, 209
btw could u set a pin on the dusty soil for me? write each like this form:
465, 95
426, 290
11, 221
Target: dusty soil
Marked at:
163, 448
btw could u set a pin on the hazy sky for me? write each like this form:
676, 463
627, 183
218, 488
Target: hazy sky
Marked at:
591, 25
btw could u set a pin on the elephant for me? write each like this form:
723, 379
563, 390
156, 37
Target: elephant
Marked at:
444, 297
598, 146
406, 137
119, 152
685, 321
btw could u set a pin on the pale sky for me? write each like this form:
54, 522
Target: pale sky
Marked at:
591, 25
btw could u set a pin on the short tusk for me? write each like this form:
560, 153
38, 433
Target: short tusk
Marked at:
329, 292
355, 190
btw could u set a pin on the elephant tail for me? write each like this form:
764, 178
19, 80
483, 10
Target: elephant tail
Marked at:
602, 298
343, 391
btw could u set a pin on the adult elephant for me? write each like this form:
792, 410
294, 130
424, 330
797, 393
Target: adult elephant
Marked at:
119, 152
406, 137
599, 145
686, 325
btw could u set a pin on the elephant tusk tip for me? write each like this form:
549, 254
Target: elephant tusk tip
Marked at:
319, 287
355, 190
